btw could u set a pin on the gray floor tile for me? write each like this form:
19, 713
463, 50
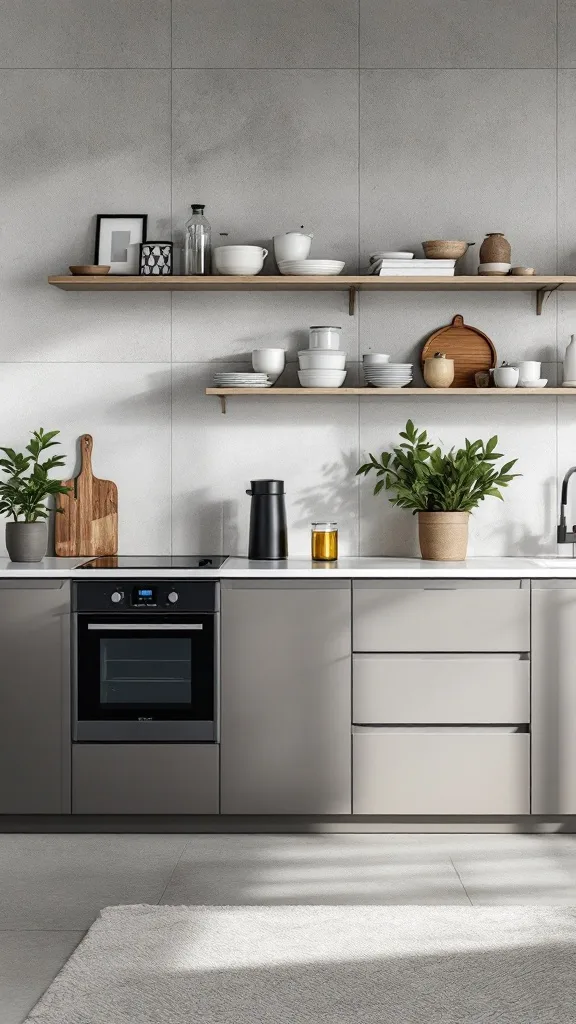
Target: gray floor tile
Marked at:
312, 870
29, 961
521, 870
62, 881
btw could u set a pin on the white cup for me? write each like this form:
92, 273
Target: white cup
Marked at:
506, 376
529, 370
325, 337
375, 359
269, 360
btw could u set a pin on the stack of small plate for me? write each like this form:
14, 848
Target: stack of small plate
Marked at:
388, 375
320, 268
241, 380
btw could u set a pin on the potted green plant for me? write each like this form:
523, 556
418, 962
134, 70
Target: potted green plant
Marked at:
23, 496
443, 488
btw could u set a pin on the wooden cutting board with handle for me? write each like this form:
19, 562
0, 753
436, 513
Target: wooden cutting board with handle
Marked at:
88, 523
469, 347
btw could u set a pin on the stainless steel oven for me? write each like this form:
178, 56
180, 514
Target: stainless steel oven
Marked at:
146, 661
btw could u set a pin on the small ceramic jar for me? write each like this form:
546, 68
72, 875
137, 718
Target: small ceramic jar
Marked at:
439, 371
506, 376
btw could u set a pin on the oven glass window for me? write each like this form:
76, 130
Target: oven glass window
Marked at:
145, 670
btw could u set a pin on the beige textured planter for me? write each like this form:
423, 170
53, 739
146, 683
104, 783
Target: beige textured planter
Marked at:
443, 536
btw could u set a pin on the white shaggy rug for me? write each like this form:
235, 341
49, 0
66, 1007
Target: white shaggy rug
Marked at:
320, 965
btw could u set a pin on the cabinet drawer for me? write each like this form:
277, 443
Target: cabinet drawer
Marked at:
463, 689
145, 778
438, 771
441, 615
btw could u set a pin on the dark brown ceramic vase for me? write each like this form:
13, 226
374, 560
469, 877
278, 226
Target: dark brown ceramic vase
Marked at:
495, 249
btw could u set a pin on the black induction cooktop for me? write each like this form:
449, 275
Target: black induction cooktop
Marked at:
155, 562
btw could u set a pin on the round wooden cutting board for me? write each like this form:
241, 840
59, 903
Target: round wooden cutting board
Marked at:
470, 349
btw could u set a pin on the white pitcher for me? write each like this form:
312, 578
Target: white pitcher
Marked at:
570, 363
293, 245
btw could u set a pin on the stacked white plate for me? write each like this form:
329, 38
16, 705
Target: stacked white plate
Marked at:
241, 380
320, 268
388, 375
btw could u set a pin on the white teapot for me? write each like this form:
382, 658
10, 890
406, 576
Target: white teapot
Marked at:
293, 245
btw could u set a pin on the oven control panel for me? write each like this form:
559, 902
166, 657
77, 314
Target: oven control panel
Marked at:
139, 595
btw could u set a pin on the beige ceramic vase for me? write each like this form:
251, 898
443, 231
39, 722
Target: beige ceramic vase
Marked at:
443, 536
495, 249
439, 371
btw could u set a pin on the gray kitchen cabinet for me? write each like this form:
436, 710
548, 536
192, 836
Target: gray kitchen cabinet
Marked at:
554, 697
34, 696
285, 697
145, 778
441, 615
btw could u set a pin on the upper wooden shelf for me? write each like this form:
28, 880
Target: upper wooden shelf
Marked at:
541, 284
367, 392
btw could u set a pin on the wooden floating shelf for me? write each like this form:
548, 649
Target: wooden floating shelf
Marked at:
542, 285
368, 392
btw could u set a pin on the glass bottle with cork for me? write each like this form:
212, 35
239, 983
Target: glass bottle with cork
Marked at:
197, 243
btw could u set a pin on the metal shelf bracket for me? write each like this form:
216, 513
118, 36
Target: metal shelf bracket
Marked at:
351, 301
222, 404
542, 295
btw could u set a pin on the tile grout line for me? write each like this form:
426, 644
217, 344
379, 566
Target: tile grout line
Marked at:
302, 67
172, 873
461, 882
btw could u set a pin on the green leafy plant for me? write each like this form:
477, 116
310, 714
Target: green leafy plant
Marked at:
423, 479
24, 493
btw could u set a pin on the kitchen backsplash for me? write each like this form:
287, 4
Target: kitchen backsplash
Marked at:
327, 115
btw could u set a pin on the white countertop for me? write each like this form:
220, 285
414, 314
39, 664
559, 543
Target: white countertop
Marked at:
304, 568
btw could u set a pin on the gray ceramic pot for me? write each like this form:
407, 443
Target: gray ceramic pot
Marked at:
27, 542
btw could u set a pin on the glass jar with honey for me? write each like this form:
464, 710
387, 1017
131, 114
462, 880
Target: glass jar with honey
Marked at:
324, 542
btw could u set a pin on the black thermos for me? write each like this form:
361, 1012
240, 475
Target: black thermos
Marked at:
268, 530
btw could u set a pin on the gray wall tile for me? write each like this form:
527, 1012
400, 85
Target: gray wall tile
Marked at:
455, 154
246, 321
126, 408
98, 34
523, 524
73, 144
458, 34
566, 172
309, 443
265, 34
566, 34
268, 151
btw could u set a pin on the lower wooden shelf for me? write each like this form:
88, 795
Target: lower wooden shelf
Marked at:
367, 392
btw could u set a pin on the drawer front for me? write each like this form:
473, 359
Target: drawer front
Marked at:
441, 615
464, 689
415, 771
145, 778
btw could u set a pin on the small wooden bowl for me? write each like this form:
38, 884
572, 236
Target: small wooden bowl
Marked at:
522, 271
445, 250
88, 269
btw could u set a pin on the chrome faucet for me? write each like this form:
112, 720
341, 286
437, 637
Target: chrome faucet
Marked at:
563, 536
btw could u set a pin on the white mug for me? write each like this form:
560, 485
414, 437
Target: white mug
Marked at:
529, 370
325, 337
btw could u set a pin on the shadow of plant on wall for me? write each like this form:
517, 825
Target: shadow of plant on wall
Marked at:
334, 497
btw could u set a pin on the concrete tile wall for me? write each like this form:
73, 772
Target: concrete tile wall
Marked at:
373, 124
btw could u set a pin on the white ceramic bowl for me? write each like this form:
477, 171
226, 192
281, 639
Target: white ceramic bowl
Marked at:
321, 378
239, 259
533, 383
321, 359
375, 358
494, 268
269, 360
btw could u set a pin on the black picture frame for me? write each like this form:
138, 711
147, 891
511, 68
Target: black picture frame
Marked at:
143, 217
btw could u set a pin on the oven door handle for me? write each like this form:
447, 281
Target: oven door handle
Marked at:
148, 627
